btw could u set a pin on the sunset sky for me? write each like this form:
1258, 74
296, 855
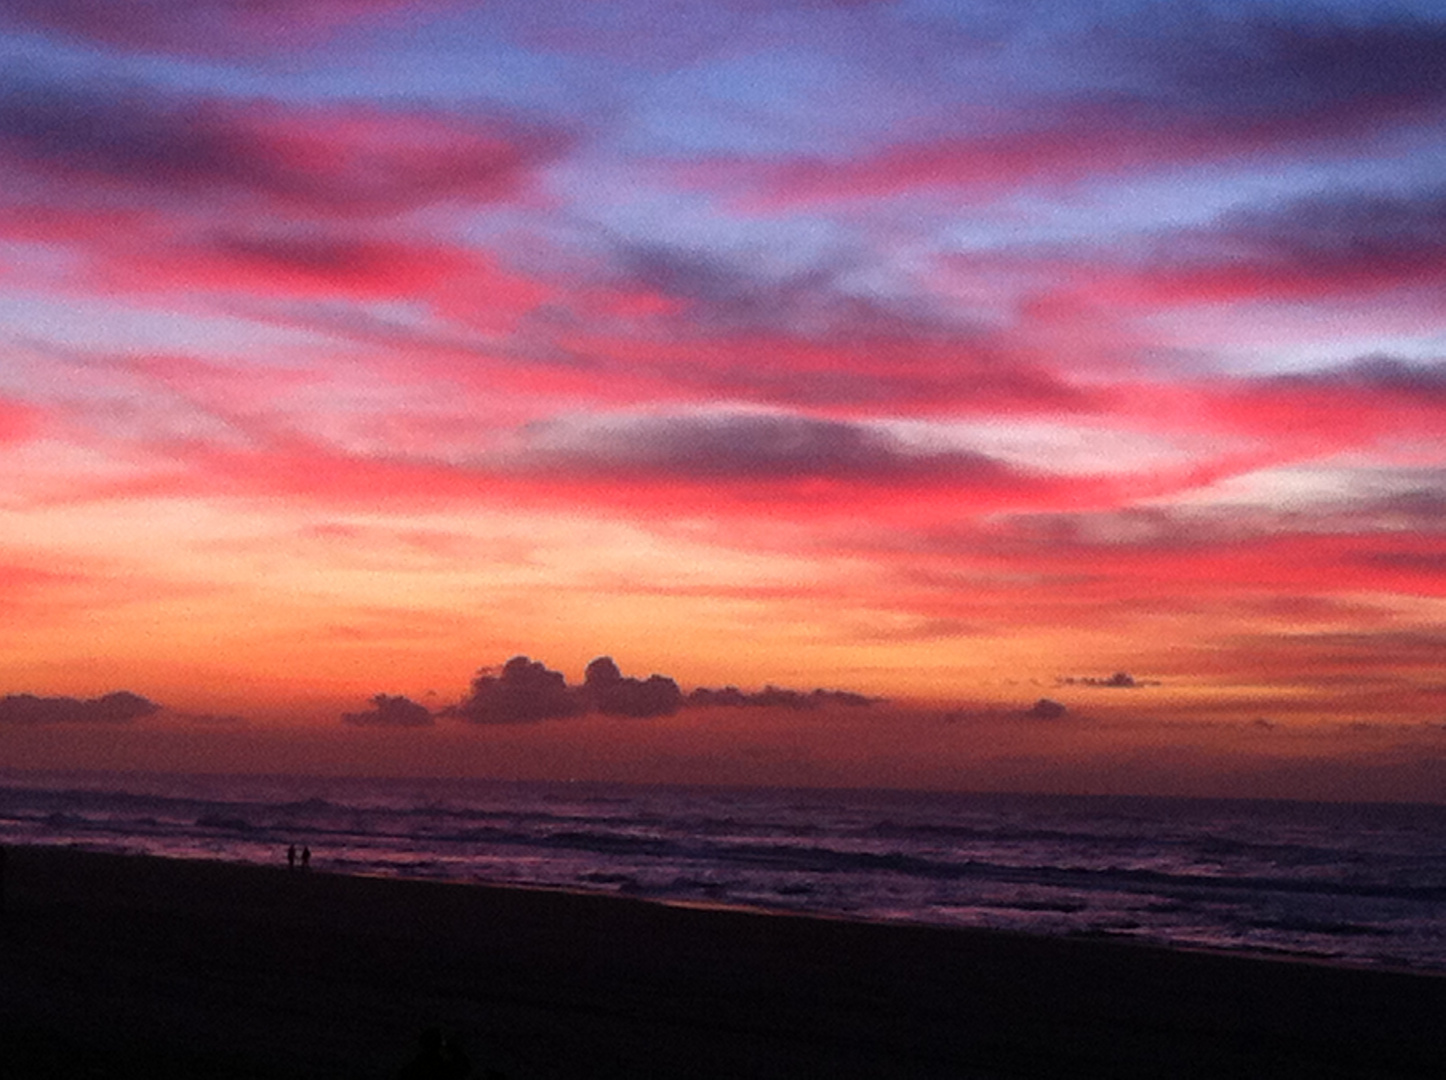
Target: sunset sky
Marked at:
951, 352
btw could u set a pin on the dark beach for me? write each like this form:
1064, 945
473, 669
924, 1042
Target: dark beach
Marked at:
120, 966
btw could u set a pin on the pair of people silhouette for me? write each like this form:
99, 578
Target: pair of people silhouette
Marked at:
438, 1058
305, 857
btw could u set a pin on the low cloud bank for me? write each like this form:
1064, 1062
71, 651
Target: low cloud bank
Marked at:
120, 707
772, 697
1120, 680
524, 690
606, 690
1046, 709
389, 711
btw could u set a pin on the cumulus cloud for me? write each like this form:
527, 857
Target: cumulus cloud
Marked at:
391, 712
120, 707
1046, 709
606, 690
525, 690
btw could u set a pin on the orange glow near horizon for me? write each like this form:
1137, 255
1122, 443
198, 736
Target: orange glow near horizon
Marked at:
833, 347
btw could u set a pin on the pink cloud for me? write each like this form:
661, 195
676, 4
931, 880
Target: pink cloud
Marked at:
18, 422
22, 579
308, 264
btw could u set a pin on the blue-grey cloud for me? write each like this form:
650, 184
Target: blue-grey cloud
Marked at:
1422, 380
1312, 70
157, 145
743, 446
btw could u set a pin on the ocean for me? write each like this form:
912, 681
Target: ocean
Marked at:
1358, 884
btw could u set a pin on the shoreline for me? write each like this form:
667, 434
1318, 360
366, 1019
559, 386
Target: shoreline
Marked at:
1125, 940
209, 968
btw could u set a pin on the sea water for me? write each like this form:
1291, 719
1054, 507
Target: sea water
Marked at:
1345, 883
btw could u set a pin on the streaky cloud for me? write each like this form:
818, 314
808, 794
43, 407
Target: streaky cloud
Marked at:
773, 697
206, 28
329, 160
119, 707
733, 446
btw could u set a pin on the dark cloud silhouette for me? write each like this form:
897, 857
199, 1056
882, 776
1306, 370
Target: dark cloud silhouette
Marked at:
606, 690
1120, 680
776, 698
1046, 709
389, 711
116, 708
524, 691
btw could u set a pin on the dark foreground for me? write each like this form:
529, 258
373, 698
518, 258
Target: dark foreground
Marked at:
136, 967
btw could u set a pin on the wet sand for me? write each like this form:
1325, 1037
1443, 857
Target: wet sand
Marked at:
116, 966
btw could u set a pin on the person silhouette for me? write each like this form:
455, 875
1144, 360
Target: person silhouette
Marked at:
438, 1058
291, 857
306, 858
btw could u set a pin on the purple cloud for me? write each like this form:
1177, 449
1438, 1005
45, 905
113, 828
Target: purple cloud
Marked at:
120, 707
391, 712
744, 446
